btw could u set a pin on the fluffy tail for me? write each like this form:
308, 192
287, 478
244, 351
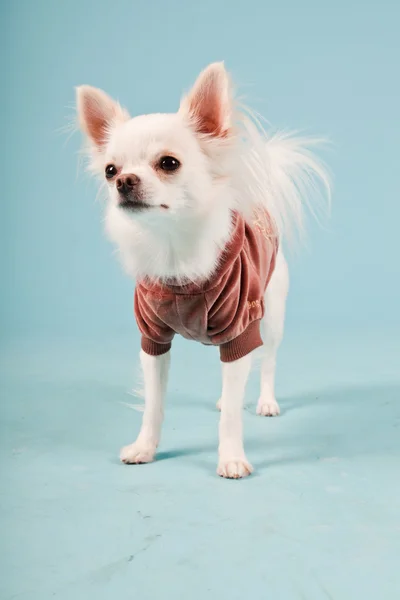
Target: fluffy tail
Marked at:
283, 175
298, 183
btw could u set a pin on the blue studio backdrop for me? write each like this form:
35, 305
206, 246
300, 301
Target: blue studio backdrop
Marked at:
320, 516
326, 69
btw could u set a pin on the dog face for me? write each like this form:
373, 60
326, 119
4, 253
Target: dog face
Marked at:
166, 165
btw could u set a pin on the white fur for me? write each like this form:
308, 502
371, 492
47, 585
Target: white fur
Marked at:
232, 461
272, 329
155, 371
241, 168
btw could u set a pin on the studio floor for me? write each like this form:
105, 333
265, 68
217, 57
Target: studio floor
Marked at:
318, 519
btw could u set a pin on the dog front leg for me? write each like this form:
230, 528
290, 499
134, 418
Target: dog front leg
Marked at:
232, 462
155, 371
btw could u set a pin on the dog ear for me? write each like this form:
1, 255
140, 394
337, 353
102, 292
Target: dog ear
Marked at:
208, 106
97, 114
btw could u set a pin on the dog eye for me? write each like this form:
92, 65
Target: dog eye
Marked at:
169, 163
111, 171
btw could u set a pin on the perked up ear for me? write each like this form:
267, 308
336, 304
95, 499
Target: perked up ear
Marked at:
208, 106
97, 114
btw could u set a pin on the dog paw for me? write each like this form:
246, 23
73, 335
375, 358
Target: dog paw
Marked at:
268, 407
219, 405
233, 468
137, 453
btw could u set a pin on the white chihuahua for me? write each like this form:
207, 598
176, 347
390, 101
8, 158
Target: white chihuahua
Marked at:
199, 202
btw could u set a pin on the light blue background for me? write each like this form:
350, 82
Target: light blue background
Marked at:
328, 68
321, 516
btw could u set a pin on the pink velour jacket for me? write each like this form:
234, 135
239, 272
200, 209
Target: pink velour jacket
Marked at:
226, 309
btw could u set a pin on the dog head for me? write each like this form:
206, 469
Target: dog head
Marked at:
162, 164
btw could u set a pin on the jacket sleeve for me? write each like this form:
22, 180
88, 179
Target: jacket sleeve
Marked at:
234, 320
156, 335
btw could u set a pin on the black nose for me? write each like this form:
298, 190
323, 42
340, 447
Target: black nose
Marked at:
126, 183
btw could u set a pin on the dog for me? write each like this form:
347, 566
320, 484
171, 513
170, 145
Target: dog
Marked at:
200, 202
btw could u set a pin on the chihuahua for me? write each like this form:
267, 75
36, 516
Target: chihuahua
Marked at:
199, 204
